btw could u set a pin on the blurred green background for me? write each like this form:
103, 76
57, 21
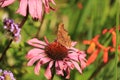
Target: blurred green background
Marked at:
83, 19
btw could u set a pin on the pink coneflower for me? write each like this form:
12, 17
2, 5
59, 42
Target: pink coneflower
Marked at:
4, 3
57, 56
34, 7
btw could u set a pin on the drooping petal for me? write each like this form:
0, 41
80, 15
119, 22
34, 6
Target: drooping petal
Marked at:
37, 68
59, 71
46, 6
7, 2
39, 9
34, 52
22, 7
44, 60
34, 59
70, 64
35, 8
35, 41
73, 57
77, 66
60, 64
52, 1
82, 62
48, 73
68, 73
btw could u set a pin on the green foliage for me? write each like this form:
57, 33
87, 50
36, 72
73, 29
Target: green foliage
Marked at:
84, 23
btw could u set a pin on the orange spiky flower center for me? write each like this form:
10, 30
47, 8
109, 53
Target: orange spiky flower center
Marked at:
56, 51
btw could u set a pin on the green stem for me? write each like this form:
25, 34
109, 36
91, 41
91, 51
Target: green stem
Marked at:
37, 34
117, 34
4, 52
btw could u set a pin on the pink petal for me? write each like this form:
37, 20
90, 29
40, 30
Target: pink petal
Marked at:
83, 63
60, 64
34, 59
68, 73
44, 60
32, 8
73, 57
70, 64
34, 52
46, 6
52, 2
82, 54
22, 7
39, 9
37, 68
73, 43
73, 49
7, 2
59, 71
77, 66
35, 8
36, 43
48, 73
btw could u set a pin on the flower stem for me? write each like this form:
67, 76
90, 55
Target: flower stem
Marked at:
4, 52
23, 21
21, 24
117, 37
37, 34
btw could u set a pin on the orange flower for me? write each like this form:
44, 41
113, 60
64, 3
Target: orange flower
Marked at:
105, 54
92, 58
112, 49
112, 31
92, 44
104, 31
80, 6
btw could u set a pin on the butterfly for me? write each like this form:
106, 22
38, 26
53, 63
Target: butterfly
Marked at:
62, 36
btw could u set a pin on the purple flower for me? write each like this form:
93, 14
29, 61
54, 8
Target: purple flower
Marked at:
12, 27
6, 75
1, 78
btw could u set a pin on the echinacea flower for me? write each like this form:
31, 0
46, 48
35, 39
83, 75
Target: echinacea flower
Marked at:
34, 7
13, 28
6, 75
60, 57
4, 3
